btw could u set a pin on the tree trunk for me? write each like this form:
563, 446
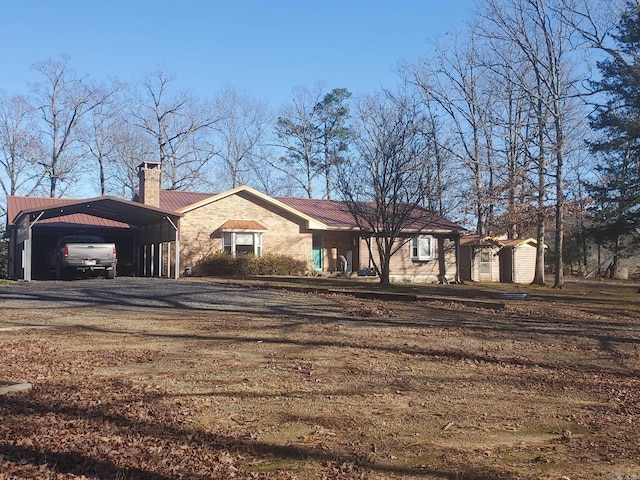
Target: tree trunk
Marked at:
559, 243
385, 270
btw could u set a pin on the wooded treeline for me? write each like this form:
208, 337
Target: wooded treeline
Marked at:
522, 124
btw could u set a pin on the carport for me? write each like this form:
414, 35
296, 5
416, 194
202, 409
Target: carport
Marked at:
150, 235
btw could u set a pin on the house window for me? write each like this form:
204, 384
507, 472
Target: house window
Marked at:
422, 248
237, 243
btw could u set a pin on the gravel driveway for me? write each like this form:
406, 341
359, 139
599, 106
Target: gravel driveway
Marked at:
133, 292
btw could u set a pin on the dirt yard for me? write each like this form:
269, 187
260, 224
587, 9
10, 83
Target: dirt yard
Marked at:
153, 379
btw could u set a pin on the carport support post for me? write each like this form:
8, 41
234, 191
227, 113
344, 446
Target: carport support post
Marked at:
157, 260
168, 259
27, 258
27, 250
176, 271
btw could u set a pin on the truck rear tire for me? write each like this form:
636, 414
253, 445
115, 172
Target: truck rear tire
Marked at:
110, 273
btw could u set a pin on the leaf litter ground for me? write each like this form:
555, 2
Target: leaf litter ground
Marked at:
349, 388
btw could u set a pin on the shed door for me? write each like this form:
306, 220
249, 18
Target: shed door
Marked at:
316, 256
485, 266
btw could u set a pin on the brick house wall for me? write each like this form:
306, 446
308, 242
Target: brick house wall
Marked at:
404, 269
200, 233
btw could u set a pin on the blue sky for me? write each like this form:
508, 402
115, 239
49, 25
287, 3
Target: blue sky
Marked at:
265, 48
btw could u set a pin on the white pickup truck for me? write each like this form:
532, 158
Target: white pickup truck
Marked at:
82, 254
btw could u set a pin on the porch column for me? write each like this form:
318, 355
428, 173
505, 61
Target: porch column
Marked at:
456, 241
442, 277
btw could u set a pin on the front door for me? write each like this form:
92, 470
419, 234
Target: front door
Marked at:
316, 256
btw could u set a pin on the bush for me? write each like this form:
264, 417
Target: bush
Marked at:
222, 264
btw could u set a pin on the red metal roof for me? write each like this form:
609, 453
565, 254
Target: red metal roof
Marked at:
243, 225
83, 219
175, 200
330, 212
17, 204
335, 214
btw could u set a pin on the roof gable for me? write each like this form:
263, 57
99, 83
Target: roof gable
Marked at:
16, 204
313, 223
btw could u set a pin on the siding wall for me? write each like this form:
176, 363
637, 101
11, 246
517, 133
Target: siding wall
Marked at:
524, 264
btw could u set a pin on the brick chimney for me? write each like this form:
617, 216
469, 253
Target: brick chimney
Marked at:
149, 189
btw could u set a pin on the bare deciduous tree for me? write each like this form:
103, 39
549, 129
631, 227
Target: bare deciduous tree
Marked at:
179, 124
384, 185
100, 135
63, 100
455, 81
240, 133
20, 147
131, 148
543, 37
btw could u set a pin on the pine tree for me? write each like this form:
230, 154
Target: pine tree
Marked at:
616, 214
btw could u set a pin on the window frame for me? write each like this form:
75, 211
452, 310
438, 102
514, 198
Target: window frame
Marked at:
229, 242
417, 249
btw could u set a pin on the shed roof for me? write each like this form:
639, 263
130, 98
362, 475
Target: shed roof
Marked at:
487, 240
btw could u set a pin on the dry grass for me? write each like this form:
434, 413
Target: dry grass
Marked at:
343, 388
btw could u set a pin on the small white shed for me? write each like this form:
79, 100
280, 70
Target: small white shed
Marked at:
497, 259
479, 260
518, 260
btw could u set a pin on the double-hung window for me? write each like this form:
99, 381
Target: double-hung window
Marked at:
422, 248
242, 243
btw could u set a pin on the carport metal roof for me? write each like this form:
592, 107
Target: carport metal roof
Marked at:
27, 212
111, 208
